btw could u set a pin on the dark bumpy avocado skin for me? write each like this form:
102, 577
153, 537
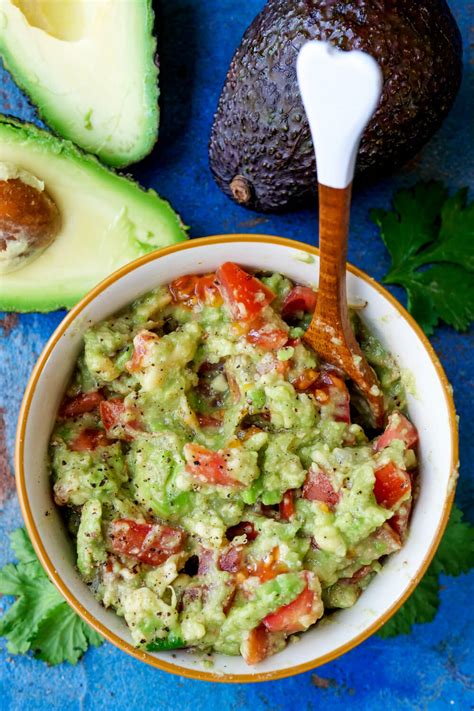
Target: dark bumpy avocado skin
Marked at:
260, 132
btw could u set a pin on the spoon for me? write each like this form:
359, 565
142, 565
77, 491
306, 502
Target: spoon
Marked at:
340, 92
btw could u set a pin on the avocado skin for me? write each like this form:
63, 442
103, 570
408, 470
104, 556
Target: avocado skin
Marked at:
260, 132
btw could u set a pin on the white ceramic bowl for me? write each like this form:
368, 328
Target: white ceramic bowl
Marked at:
431, 409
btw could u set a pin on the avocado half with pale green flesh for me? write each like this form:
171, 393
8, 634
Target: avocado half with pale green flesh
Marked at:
105, 220
261, 153
89, 68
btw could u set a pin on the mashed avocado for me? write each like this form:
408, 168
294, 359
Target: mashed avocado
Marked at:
223, 490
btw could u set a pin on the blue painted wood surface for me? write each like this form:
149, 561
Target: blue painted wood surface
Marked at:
431, 668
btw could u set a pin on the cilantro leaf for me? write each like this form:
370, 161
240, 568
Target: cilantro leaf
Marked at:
455, 555
36, 597
39, 620
409, 228
71, 636
457, 218
22, 546
444, 291
430, 238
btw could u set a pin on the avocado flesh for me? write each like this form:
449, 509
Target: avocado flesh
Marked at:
106, 221
261, 152
89, 67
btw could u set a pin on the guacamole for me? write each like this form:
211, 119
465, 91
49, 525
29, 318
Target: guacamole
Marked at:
221, 485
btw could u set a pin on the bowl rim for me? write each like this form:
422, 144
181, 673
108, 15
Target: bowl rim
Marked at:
36, 538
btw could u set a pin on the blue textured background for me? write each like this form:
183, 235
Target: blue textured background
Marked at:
430, 669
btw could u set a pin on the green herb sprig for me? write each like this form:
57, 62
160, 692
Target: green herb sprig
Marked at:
430, 237
40, 619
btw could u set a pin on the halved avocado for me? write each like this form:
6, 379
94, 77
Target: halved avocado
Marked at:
89, 67
106, 220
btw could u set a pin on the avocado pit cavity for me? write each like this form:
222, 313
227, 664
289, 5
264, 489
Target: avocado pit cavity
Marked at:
64, 20
29, 218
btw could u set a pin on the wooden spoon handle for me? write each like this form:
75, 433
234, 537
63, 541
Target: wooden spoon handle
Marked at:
334, 212
330, 330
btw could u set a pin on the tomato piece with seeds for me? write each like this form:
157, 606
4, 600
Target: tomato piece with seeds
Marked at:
300, 298
89, 439
287, 505
196, 289
208, 466
81, 404
398, 427
298, 615
149, 543
391, 484
245, 295
318, 487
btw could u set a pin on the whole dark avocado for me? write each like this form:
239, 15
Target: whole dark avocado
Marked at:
260, 149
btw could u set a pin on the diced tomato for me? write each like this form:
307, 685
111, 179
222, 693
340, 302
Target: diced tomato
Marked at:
398, 427
298, 615
231, 559
82, 403
182, 288
269, 339
300, 298
208, 466
269, 568
112, 412
305, 380
330, 389
391, 484
209, 420
150, 543
318, 487
88, 440
244, 527
141, 344
287, 505
207, 291
256, 647
400, 519
245, 295
193, 289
